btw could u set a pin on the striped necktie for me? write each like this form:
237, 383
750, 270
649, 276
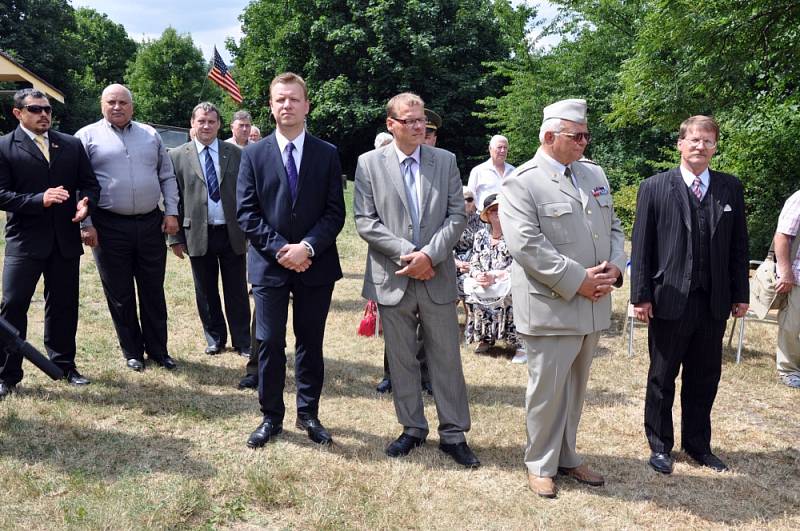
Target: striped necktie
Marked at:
42, 145
697, 188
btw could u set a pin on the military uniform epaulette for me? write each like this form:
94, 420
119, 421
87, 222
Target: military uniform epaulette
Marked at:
526, 167
588, 161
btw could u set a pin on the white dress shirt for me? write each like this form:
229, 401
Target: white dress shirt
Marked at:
688, 178
216, 216
484, 180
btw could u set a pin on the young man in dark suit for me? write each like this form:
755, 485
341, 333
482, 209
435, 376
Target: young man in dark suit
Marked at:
42, 175
688, 274
291, 208
206, 170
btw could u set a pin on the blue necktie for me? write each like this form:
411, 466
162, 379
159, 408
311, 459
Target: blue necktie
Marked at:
211, 177
411, 196
291, 170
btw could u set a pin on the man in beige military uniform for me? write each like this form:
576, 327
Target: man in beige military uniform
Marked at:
567, 244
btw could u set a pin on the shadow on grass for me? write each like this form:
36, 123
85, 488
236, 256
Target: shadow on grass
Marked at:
762, 485
98, 453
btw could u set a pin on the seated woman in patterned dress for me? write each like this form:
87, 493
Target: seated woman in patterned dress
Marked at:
463, 249
490, 267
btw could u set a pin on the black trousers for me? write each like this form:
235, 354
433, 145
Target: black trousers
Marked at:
693, 341
310, 311
61, 279
132, 251
206, 270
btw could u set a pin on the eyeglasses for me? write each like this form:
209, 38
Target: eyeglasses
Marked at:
411, 122
469, 199
37, 109
708, 144
577, 137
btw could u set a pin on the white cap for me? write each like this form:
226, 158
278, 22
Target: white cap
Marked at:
572, 110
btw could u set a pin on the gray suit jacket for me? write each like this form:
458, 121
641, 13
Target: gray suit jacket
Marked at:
384, 222
554, 232
193, 207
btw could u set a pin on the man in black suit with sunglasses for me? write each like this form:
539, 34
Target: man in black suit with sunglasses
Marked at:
47, 187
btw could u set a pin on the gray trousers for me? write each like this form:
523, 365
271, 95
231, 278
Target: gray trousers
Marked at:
440, 336
558, 370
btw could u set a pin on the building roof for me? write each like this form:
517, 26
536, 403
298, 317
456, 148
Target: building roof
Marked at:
11, 70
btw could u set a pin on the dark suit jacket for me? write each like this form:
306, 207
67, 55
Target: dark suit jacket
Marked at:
270, 219
193, 206
661, 260
31, 229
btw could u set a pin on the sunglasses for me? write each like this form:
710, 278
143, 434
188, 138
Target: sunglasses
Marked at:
38, 109
469, 199
577, 137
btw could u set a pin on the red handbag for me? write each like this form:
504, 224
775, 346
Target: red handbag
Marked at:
370, 320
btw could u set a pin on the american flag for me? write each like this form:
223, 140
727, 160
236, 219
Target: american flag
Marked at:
219, 74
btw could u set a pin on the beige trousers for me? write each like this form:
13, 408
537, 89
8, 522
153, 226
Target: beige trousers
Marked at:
558, 370
788, 351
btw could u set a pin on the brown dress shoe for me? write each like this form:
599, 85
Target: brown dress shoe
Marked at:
583, 474
542, 486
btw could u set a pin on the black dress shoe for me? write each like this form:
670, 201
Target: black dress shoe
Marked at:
6, 389
461, 454
384, 386
167, 362
75, 378
661, 462
403, 445
426, 386
250, 381
244, 352
213, 350
263, 433
135, 365
316, 431
709, 460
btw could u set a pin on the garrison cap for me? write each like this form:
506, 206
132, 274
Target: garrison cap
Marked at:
572, 110
434, 121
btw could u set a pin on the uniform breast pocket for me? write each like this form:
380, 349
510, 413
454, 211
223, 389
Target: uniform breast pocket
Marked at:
605, 202
557, 222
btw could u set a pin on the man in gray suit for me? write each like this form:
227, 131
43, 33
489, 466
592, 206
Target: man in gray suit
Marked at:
560, 227
410, 210
206, 170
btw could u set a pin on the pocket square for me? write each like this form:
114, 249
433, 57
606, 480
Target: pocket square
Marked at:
727, 208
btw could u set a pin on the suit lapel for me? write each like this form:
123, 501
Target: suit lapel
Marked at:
274, 153
305, 162
393, 171
717, 196
190, 152
426, 174
55, 147
26, 144
564, 185
679, 194
224, 159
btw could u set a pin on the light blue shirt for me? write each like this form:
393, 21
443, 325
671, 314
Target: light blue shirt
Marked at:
414, 168
688, 178
215, 214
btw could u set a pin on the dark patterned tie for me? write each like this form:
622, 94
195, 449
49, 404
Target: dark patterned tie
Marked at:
411, 196
211, 177
568, 174
291, 170
696, 188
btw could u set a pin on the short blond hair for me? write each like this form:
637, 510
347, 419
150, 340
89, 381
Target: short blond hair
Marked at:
288, 78
701, 122
409, 98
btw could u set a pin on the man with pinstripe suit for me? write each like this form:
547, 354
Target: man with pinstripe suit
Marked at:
688, 274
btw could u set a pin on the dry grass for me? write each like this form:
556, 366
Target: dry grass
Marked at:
166, 450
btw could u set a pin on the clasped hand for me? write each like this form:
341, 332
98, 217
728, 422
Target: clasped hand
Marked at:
418, 267
294, 256
599, 281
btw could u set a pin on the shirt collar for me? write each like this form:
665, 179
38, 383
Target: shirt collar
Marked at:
298, 141
402, 156
688, 177
33, 135
214, 147
553, 162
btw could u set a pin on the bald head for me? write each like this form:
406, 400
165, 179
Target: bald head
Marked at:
116, 104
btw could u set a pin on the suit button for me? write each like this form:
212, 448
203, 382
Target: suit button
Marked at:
596, 236
589, 212
552, 293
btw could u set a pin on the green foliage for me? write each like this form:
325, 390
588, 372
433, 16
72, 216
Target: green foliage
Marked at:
166, 79
76, 51
625, 206
356, 54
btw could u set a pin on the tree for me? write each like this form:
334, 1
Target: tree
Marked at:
356, 54
167, 79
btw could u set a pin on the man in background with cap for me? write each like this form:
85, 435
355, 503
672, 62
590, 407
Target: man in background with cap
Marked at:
485, 178
432, 125
689, 272
567, 244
